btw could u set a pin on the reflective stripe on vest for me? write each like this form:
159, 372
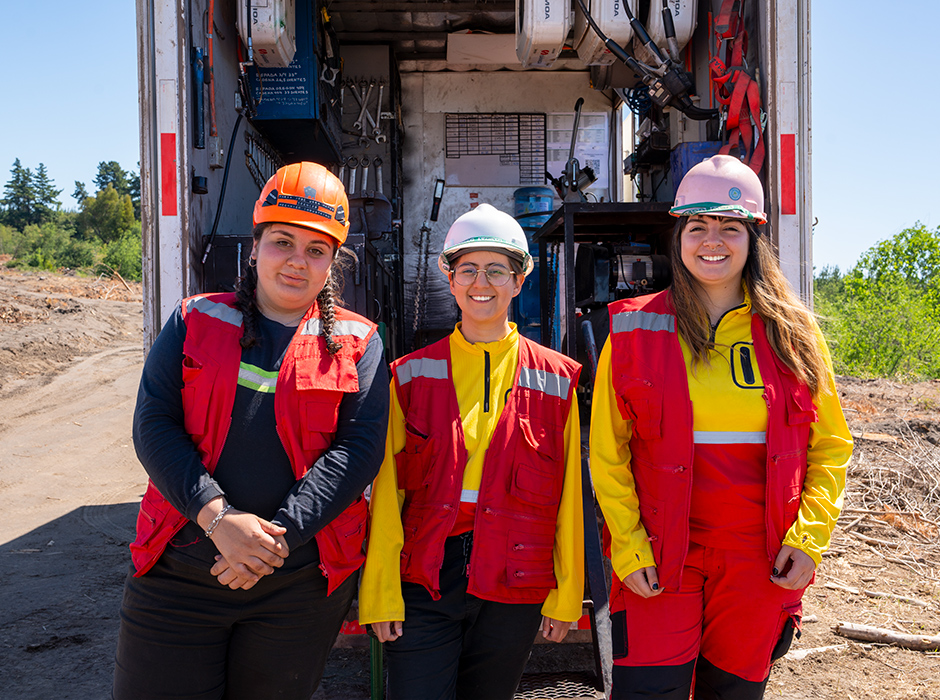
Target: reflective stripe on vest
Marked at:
469, 495
421, 367
256, 379
314, 326
643, 321
546, 382
716, 437
222, 312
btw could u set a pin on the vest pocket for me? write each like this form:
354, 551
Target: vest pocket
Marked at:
529, 559
800, 407
538, 476
641, 401
198, 377
154, 509
413, 463
320, 417
426, 521
347, 532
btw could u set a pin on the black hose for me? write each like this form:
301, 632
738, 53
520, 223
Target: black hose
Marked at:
218, 210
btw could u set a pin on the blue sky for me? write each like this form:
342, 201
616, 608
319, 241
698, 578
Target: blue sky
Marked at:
70, 101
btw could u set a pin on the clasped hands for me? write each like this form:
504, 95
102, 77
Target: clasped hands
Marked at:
249, 547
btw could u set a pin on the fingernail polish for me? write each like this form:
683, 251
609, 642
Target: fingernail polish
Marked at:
776, 573
655, 586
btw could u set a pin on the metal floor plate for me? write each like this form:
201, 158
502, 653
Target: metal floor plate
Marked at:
570, 686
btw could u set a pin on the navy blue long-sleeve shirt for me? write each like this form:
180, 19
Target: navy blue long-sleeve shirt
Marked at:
254, 471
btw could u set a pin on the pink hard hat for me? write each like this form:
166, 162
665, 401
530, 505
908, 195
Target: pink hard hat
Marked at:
721, 186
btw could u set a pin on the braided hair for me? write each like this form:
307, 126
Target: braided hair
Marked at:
329, 296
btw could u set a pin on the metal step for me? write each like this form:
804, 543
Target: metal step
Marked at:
575, 685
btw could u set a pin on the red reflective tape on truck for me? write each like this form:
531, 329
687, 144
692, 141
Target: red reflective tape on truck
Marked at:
168, 174
788, 174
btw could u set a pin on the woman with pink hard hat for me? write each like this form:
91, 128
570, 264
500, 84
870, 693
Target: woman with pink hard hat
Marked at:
718, 451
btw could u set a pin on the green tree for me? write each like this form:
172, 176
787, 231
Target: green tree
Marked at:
133, 189
882, 317
46, 194
107, 215
19, 198
80, 194
111, 173
913, 255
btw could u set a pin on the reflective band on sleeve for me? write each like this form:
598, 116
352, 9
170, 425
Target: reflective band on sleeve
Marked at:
469, 496
546, 382
223, 312
421, 367
354, 328
703, 437
643, 321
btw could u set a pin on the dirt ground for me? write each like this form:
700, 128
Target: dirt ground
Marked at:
70, 360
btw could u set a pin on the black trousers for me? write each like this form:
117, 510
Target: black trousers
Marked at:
459, 646
185, 636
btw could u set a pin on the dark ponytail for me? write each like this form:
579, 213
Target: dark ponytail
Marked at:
245, 302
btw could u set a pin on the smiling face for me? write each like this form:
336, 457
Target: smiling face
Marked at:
485, 307
714, 250
293, 265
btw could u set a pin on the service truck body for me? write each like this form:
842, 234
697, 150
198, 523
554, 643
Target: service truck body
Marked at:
425, 110
435, 71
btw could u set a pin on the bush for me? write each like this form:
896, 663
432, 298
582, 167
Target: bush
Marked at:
78, 254
124, 255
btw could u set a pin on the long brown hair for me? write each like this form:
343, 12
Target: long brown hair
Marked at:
791, 327
329, 296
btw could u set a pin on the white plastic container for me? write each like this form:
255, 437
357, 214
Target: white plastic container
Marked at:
684, 16
612, 19
541, 29
273, 38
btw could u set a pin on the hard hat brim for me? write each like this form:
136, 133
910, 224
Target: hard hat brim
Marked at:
495, 246
734, 211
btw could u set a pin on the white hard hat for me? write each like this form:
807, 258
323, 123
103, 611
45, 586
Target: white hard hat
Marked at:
721, 186
486, 228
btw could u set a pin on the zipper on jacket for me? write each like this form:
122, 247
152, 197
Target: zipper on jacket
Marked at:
486, 381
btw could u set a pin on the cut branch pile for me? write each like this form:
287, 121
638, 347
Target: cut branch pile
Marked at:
892, 503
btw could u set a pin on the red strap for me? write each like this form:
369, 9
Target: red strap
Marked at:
728, 16
735, 89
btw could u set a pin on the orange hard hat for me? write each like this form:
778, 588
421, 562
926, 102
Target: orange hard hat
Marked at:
305, 194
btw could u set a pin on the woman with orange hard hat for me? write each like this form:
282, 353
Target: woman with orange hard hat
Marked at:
259, 420
718, 451
476, 540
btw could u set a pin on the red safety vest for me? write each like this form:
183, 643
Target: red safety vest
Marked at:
310, 387
523, 473
650, 382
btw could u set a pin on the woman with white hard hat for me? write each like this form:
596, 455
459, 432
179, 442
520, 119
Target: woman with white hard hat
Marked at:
718, 451
476, 537
259, 420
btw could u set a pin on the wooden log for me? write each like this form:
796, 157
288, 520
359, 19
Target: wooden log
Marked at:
877, 634
877, 594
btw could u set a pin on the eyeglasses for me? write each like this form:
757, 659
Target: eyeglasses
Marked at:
496, 275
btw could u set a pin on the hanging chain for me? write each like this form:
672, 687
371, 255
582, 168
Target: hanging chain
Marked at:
421, 281
553, 292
